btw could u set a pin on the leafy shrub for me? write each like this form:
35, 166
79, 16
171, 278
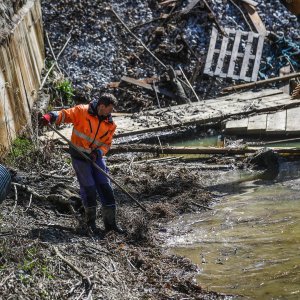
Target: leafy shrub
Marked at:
65, 90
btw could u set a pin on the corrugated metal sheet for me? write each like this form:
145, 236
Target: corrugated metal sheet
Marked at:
21, 62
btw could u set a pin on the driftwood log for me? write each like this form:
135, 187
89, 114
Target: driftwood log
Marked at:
259, 83
61, 197
195, 150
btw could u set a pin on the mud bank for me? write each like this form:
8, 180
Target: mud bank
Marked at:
39, 233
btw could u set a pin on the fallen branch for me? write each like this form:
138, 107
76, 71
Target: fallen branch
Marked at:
245, 19
29, 190
156, 95
274, 142
53, 198
190, 86
191, 6
150, 21
146, 161
147, 86
133, 35
55, 63
52, 52
259, 83
16, 200
29, 204
213, 16
74, 268
197, 150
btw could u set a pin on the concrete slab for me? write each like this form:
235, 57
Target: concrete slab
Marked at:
236, 126
276, 122
257, 124
293, 120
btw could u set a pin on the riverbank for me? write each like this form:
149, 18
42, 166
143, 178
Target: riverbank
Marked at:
37, 227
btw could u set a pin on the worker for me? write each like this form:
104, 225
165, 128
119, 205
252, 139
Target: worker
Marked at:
92, 134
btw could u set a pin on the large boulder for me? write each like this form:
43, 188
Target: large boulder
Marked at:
5, 181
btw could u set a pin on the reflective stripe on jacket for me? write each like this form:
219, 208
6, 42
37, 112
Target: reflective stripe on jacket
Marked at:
89, 132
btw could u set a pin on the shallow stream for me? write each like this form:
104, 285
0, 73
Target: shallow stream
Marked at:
249, 244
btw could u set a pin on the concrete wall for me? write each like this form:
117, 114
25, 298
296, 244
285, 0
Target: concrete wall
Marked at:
21, 61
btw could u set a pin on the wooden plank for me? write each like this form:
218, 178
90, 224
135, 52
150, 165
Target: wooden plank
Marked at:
293, 120
198, 150
259, 50
26, 71
31, 57
251, 56
218, 101
34, 41
222, 54
255, 18
247, 53
147, 86
16, 71
259, 83
213, 116
237, 126
210, 111
276, 122
38, 25
210, 53
234, 53
257, 124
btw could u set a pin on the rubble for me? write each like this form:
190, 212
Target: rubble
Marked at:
101, 50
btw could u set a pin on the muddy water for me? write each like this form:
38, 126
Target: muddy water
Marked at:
249, 244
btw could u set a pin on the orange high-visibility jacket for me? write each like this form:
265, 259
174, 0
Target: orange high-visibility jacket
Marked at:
89, 131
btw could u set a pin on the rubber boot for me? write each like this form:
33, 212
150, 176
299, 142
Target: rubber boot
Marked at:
109, 219
90, 219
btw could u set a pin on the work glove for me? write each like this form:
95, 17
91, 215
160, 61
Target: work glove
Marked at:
47, 119
95, 154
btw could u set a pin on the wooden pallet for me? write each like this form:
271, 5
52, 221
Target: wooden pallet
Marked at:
228, 59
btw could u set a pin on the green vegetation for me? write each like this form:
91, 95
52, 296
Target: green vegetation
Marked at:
21, 147
28, 261
25, 152
65, 90
33, 265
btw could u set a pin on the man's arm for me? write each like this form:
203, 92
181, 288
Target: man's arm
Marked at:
70, 115
107, 140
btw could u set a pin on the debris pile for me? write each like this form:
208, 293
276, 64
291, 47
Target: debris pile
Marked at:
177, 33
45, 253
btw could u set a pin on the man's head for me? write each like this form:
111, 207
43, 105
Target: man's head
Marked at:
106, 104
